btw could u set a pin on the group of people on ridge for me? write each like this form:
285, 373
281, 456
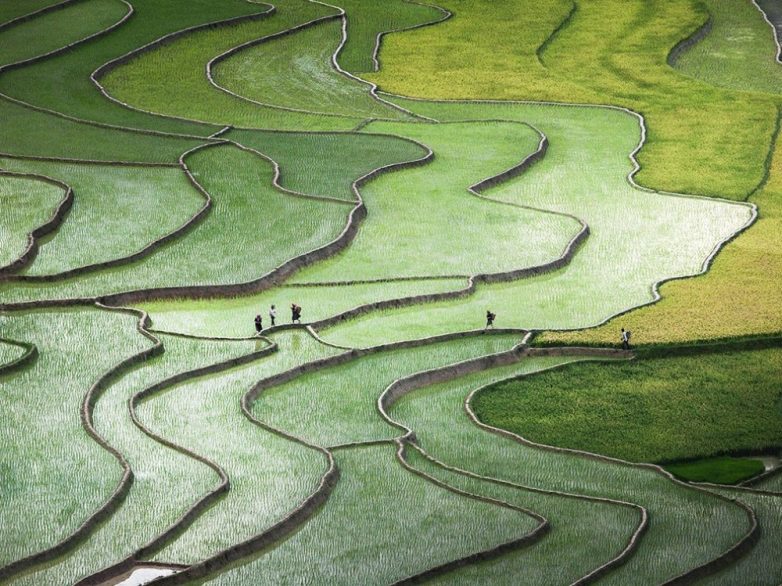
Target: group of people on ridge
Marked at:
295, 317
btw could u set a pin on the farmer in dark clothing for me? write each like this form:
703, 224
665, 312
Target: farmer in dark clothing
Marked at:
295, 313
258, 324
490, 319
625, 336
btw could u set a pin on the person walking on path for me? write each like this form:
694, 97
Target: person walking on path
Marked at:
295, 313
490, 319
258, 324
625, 339
272, 314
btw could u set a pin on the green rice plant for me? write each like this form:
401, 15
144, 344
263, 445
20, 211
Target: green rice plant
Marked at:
25, 132
116, 212
717, 470
269, 475
326, 163
55, 475
63, 83
739, 51
12, 10
234, 317
368, 20
651, 236
583, 534
338, 405
296, 72
170, 80
425, 222
251, 229
26, 204
380, 525
762, 564
687, 528
58, 28
701, 139
675, 408
166, 483
738, 296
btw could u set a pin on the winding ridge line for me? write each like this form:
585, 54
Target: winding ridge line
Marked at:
564, 23
223, 484
339, 15
279, 530
40, 12
156, 244
108, 508
630, 178
403, 386
723, 560
299, 516
74, 44
446, 14
52, 224
29, 355
633, 542
775, 29
540, 531
97, 75
690, 41
284, 270
769, 156
476, 190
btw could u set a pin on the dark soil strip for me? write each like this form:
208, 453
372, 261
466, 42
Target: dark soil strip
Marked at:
555, 33
29, 356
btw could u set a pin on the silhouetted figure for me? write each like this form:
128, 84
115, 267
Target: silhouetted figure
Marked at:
625, 339
258, 324
295, 313
490, 319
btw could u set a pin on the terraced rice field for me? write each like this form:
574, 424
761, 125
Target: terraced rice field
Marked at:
170, 171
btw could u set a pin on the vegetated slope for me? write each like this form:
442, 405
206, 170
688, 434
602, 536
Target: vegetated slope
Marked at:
338, 405
412, 214
701, 139
651, 236
269, 475
739, 52
673, 408
63, 83
170, 80
761, 565
21, 8
326, 163
28, 133
252, 228
739, 295
584, 534
56, 475
378, 528
234, 316
26, 203
116, 211
165, 483
680, 517
296, 71
57, 29
368, 22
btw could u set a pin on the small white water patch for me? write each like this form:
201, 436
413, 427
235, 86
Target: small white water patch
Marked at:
770, 462
144, 575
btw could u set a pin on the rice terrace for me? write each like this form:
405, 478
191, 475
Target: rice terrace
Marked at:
390, 292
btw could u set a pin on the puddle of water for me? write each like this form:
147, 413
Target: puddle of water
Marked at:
142, 575
770, 462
